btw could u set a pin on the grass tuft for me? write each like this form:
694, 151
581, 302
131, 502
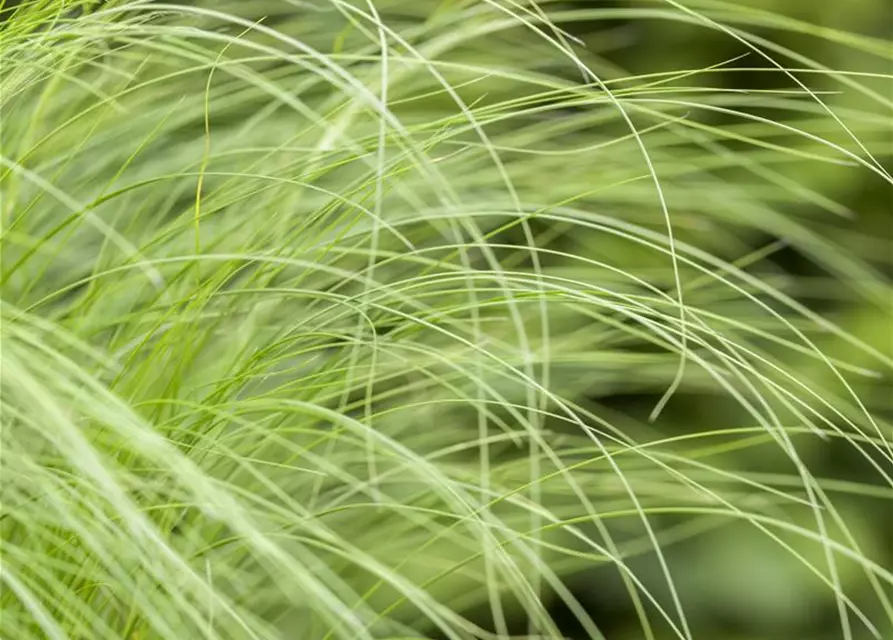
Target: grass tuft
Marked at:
461, 319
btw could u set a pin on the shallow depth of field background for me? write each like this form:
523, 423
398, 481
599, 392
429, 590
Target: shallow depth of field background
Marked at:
747, 587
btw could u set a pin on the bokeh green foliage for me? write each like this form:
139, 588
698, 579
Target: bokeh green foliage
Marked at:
739, 576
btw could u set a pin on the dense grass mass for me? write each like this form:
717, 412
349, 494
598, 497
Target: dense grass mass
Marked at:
460, 319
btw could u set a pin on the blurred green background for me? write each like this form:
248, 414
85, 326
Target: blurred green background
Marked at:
741, 585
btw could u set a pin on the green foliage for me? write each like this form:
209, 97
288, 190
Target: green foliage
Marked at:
456, 319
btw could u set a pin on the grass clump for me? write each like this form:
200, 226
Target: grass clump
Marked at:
375, 319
